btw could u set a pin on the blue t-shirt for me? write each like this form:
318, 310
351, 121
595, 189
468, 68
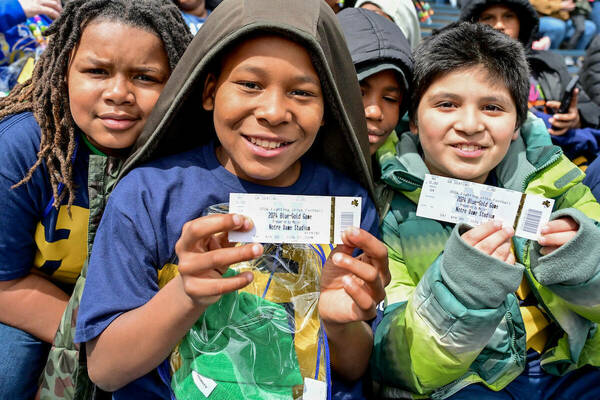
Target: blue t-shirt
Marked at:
143, 221
193, 22
32, 232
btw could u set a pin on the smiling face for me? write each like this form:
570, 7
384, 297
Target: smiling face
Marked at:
381, 95
502, 19
267, 108
114, 79
465, 130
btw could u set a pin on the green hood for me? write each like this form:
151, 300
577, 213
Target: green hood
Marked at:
179, 123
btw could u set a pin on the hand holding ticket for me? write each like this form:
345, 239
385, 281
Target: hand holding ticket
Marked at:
295, 219
455, 200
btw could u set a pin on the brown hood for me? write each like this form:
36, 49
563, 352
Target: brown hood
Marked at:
179, 123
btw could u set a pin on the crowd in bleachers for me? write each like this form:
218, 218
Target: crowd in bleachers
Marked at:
565, 26
125, 126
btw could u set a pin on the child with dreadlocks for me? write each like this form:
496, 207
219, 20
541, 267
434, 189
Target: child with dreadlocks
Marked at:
63, 134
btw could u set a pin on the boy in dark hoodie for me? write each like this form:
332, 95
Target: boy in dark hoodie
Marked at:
382, 58
269, 92
549, 76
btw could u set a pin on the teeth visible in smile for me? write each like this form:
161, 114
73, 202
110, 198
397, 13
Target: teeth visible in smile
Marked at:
468, 147
265, 143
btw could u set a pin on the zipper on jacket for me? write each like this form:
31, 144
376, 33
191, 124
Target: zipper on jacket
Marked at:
407, 181
554, 158
516, 356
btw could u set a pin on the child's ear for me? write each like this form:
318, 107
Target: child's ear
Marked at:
413, 126
516, 134
208, 93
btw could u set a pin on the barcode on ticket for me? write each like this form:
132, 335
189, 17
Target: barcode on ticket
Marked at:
535, 213
532, 221
346, 221
455, 201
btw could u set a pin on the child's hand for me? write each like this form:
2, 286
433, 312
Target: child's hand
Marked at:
561, 123
493, 240
49, 8
205, 254
556, 233
351, 287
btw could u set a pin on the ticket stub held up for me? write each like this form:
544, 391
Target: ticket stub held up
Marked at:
455, 200
295, 219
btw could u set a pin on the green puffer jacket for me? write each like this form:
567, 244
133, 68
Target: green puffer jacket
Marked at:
451, 317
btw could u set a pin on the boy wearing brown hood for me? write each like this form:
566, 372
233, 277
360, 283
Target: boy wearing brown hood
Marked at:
273, 90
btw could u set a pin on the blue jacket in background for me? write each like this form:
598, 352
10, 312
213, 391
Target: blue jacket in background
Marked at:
11, 14
15, 37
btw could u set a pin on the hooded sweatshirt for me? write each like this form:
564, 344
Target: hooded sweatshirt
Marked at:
376, 44
547, 67
403, 13
342, 143
528, 18
147, 210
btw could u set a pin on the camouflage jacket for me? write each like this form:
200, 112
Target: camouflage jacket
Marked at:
65, 375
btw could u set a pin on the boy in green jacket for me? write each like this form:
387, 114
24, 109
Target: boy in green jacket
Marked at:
474, 312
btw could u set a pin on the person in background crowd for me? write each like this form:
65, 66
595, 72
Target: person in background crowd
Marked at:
590, 72
555, 22
383, 62
194, 13
22, 23
575, 130
578, 16
401, 12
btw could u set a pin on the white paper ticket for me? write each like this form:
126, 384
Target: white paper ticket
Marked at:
295, 219
455, 200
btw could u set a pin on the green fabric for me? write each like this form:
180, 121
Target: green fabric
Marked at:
433, 339
92, 148
245, 344
548, 269
466, 272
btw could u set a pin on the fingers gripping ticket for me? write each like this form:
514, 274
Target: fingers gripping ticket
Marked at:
205, 255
